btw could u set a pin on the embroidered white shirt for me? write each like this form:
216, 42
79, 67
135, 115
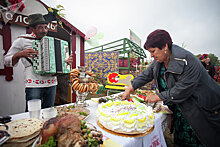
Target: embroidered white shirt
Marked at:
31, 79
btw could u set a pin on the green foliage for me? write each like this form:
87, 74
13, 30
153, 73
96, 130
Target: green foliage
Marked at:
50, 143
133, 55
213, 59
57, 12
59, 9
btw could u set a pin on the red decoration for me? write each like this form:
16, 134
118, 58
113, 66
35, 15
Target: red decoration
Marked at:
112, 77
15, 4
203, 56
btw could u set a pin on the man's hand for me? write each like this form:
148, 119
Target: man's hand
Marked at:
152, 98
24, 53
70, 59
28, 53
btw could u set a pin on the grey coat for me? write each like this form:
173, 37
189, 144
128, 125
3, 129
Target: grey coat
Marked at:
192, 89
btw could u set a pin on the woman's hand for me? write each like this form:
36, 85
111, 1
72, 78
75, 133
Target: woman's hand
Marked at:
152, 98
126, 94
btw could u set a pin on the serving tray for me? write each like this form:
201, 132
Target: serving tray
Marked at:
125, 134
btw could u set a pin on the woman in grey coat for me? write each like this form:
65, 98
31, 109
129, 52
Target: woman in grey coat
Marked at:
185, 86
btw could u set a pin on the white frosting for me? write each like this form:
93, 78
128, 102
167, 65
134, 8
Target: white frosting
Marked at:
128, 116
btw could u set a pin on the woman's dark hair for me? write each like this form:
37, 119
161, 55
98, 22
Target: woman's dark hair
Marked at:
159, 39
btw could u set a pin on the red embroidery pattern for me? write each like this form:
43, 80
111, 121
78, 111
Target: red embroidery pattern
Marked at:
40, 81
155, 141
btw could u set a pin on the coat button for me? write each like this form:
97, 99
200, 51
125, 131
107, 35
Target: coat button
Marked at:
216, 112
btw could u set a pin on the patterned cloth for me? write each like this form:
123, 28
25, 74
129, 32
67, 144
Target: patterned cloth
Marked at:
184, 136
102, 63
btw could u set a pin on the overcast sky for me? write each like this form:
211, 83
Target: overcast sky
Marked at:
194, 23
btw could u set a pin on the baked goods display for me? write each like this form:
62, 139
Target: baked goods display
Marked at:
83, 81
23, 132
70, 131
128, 118
125, 117
80, 112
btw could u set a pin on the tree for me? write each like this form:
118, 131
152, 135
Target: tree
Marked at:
213, 59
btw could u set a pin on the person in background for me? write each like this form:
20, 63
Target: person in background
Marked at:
185, 86
210, 67
36, 86
202, 58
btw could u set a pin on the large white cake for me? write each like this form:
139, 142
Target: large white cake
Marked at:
124, 116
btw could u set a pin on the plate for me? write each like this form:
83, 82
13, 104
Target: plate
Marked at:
36, 142
96, 134
112, 97
125, 134
72, 109
4, 136
95, 100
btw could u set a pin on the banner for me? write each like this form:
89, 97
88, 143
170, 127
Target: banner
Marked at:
13, 18
135, 38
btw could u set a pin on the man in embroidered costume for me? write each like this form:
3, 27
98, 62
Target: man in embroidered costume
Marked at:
36, 86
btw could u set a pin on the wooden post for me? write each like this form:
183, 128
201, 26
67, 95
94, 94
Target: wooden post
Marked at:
136, 70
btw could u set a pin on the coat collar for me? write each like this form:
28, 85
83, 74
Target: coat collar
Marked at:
177, 60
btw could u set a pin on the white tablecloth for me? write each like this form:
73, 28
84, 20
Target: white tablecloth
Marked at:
154, 139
